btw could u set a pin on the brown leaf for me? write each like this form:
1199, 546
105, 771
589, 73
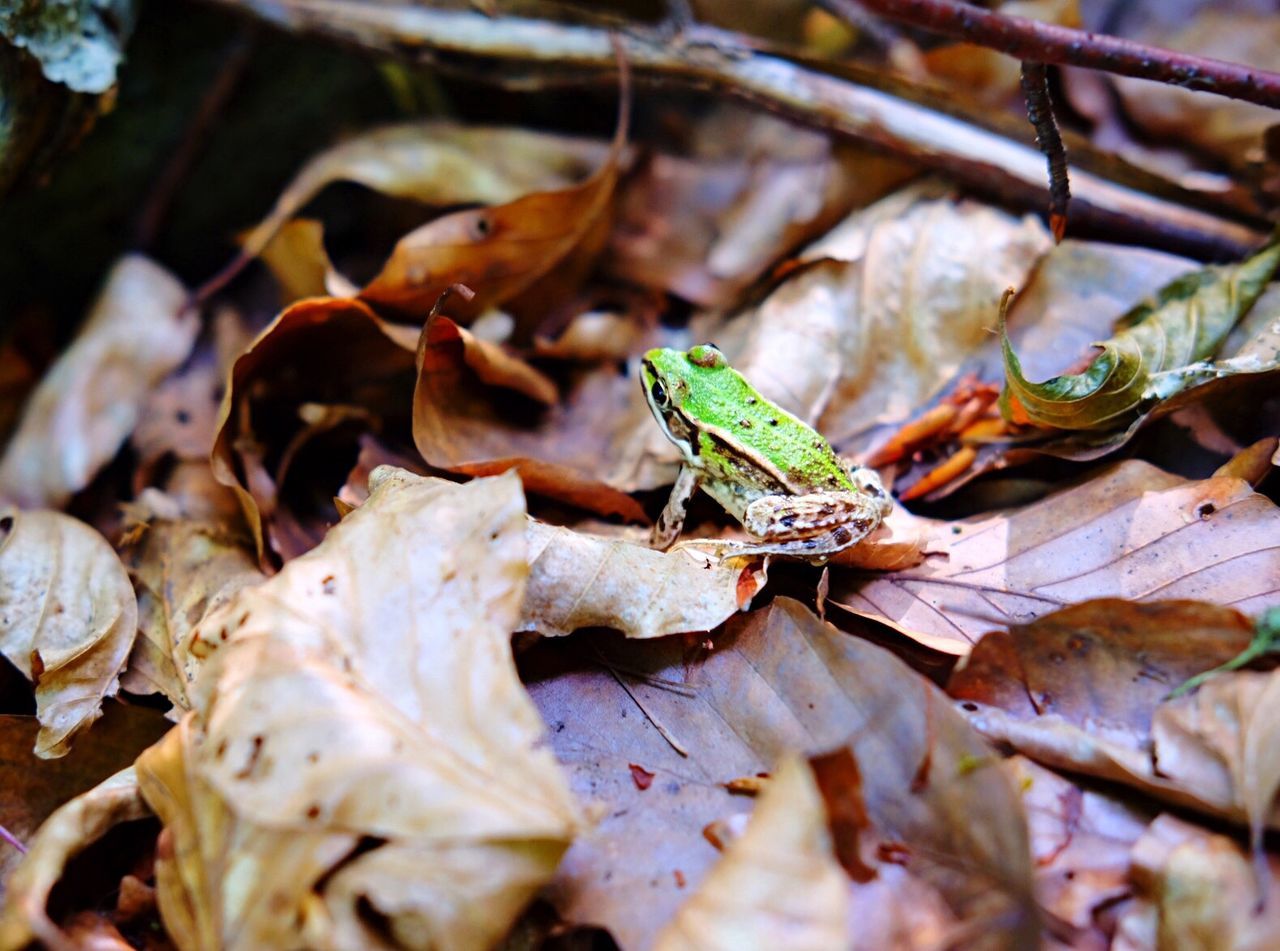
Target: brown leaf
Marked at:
778, 885
897, 297
775, 682
1131, 532
578, 580
436, 163
705, 227
502, 251
68, 618
357, 789
89, 401
467, 418
325, 351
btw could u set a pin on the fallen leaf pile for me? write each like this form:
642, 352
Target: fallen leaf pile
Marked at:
329, 616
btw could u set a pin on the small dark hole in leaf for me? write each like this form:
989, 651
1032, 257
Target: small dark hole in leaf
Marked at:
1205, 510
182, 416
971, 707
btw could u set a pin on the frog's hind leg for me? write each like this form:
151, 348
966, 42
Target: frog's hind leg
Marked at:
787, 517
669, 523
817, 548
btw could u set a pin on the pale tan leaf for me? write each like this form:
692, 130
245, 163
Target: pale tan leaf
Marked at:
68, 618
899, 295
438, 163
578, 580
185, 560
367, 690
89, 401
778, 885
75, 825
1131, 532
1224, 740
1195, 889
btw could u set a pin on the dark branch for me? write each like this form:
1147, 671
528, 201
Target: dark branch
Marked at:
1049, 43
1035, 89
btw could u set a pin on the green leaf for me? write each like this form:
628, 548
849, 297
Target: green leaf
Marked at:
1152, 356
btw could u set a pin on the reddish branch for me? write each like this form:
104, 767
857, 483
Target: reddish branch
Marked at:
1049, 43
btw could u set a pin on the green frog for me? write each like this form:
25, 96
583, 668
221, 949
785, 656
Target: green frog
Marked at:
777, 476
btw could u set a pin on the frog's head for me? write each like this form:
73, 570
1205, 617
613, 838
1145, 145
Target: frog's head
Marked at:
668, 377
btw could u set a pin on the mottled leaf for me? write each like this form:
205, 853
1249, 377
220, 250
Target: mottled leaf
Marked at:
1144, 362
68, 618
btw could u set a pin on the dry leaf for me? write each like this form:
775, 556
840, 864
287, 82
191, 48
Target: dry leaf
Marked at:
320, 351
705, 227
34, 788
89, 401
898, 296
69, 830
778, 885
362, 741
1131, 532
697, 714
1195, 890
437, 163
468, 418
185, 558
578, 580
1227, 128
503, 251
1224, 738
1080, 840
68, 618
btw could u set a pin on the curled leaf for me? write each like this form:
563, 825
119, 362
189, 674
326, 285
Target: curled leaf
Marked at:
1140, 365
68, 618
88, 403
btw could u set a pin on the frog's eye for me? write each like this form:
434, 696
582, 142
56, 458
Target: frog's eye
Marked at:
707, 355
659, 393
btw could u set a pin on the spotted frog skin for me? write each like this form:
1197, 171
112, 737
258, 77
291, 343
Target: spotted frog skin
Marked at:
770, 471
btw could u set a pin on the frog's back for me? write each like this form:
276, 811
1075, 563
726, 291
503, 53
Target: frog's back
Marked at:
734, 413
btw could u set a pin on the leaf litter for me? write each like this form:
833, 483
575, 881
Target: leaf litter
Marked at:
316, 531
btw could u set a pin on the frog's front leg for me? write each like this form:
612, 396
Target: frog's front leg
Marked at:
669, 523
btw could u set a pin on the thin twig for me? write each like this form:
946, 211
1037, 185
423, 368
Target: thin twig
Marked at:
1050, 43
7, 836
1035, 89
231, 69
568, 54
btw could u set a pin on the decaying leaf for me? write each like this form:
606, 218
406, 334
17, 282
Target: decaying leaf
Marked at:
1195, 889
896, 298
699, 714
68, 618
469, 409
436, 163
779, 885
318, 352
503, 251
1147, 359
70, 829
364, 767
578, 580
1132, 531
88, 403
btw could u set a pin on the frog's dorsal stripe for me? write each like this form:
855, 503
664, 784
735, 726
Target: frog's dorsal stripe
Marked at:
732, 445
